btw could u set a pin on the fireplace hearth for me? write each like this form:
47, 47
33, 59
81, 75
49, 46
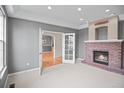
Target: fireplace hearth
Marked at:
101, 57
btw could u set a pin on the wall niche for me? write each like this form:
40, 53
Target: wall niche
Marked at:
104, 29
101, 33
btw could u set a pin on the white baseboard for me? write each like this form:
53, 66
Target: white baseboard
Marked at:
20, 72
17, 73
79, 60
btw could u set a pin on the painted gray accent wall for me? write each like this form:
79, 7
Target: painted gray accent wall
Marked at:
83, 36
24, 43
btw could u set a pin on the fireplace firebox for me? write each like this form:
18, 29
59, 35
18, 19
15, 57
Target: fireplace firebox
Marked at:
101, 57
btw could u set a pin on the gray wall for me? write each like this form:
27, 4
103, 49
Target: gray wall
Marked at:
83, 36
2, 81
23, 43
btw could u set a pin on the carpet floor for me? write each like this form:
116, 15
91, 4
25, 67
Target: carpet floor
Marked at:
68, 76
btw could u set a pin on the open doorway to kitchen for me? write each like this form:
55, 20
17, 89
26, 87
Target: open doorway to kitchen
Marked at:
48, 52
50, 48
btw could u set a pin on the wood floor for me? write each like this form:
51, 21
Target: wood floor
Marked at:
48, 59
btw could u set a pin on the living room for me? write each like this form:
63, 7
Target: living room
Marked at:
42, 46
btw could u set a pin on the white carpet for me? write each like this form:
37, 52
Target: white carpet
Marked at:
68, 75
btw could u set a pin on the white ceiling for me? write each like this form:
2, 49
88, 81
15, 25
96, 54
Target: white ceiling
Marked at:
66, 16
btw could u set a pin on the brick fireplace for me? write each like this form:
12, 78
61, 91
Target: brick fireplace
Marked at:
114, 49
104, 49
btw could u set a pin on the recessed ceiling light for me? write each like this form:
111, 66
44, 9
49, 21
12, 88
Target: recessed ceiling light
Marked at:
79, 9
112, 14
49, 7
81, 19
107, 10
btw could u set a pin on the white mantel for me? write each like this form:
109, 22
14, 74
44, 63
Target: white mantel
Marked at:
111, 40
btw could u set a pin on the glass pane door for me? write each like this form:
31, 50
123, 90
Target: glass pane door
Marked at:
69, 48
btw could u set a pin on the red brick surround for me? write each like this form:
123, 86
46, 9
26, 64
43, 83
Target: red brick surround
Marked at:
115, 55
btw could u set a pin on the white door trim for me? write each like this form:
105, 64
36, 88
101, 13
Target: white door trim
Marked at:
40, 52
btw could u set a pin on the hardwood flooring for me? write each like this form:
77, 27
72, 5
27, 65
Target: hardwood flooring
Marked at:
48, 59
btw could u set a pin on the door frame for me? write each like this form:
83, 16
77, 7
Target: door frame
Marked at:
40, 52
40, 46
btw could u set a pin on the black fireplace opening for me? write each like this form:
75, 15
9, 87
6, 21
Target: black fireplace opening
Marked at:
101, 57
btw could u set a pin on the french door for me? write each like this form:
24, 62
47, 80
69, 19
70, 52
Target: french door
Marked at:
68, 48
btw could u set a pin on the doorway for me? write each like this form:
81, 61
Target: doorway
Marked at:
55, 48
48, 50
51, 48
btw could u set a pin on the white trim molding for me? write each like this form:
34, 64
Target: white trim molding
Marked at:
79, 60
21, 72
17, 73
